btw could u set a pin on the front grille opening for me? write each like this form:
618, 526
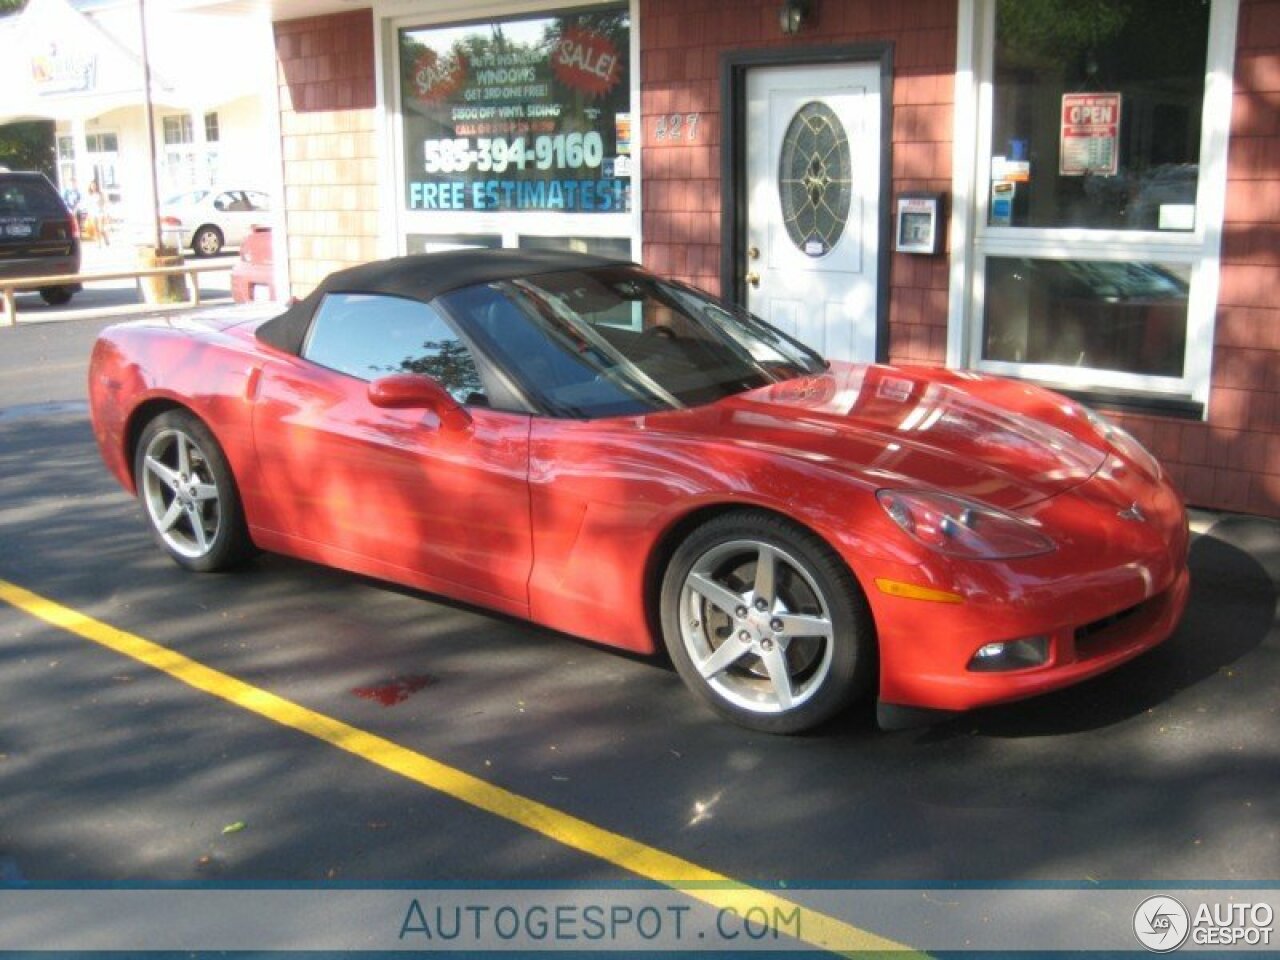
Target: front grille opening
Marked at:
1090, 630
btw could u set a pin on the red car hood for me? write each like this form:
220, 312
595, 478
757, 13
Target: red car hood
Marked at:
1006, 443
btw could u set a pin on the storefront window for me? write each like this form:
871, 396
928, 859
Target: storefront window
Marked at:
1107, 315
1101, 132
1096, 120
520, 115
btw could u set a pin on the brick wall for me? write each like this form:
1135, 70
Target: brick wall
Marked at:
1232, 462
330, 148
681, 42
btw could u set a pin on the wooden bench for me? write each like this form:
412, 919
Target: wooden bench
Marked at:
191, 271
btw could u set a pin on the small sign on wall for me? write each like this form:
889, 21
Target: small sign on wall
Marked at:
1090, 135
918, 223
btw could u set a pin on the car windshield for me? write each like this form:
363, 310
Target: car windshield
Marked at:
613, 341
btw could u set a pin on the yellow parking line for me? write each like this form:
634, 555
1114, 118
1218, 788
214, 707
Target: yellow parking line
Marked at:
632, 856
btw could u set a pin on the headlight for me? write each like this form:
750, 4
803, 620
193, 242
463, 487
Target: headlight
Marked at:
962, 528
1123, 442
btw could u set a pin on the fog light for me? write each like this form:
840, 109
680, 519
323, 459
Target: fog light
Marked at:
1012, 655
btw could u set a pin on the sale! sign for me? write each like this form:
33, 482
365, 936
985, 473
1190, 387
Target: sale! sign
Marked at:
585, 60
1090, 141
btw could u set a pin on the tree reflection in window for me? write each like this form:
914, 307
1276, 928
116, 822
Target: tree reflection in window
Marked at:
450, 364
371, 335
814, 179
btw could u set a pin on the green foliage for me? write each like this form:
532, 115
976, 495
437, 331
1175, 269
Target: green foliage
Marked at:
11, 6
27, 145
1062, 27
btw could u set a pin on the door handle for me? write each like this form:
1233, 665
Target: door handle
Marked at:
753, 278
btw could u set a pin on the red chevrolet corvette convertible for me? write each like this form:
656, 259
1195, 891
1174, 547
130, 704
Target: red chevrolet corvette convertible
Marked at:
622, 458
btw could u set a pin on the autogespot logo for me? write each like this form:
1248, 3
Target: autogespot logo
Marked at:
1161, 924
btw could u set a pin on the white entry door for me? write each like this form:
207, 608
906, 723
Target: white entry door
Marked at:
813, 218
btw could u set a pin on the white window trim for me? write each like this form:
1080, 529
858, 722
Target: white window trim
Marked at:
396, 223
973, 240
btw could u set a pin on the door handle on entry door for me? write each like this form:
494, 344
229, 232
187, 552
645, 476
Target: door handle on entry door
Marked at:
752, 277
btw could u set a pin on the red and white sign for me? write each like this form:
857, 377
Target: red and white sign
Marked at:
586, 61
436, 78
1090, 135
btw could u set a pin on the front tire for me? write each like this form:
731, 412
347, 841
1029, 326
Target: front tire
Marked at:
765, 623
189, 494
207, 242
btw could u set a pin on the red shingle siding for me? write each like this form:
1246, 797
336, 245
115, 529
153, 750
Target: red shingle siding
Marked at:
681, 42
1232, 462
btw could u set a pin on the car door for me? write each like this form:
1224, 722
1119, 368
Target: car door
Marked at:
390, 492
235, 216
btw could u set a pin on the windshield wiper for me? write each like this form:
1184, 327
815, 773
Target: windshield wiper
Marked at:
562, 321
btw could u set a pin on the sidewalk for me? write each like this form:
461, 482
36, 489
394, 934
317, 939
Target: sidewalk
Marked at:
107, 298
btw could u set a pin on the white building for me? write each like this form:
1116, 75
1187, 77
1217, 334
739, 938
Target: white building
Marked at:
79, 63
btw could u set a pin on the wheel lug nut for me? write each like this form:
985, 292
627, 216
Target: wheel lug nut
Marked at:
762, 603
775, 625
766, 644
744, 637
694, 624
740, 612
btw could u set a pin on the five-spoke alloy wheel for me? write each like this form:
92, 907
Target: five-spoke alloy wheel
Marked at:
765, 622
190, 497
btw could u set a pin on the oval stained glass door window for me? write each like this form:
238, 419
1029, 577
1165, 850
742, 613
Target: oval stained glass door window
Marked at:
814, 179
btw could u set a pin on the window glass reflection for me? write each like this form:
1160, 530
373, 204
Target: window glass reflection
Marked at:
1130, 317
1096, 113
373, 336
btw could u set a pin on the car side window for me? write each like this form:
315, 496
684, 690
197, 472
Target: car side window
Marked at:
368, 336
257, 201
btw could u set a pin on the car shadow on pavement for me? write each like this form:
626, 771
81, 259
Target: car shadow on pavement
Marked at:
1235, 567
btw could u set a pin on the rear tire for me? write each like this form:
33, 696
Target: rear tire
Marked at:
189, 494
766, 623
56, 296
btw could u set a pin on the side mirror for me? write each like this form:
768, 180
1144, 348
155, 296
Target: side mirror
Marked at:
411, 391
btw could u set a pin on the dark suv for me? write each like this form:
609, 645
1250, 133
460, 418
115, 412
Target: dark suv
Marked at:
38, 235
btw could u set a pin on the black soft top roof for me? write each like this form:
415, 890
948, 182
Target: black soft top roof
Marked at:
424, 277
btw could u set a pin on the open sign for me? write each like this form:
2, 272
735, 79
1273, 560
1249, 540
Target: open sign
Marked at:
1090, 134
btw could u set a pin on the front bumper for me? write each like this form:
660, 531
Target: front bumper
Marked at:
1115, 588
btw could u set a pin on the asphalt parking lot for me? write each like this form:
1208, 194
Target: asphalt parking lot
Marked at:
1166, 770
